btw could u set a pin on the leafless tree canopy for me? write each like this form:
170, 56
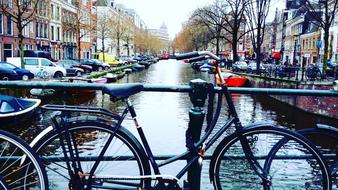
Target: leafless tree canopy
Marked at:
257, 12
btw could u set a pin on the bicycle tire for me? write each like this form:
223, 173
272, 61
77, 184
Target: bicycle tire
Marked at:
89, 137
229, 172
329, 147
20, 167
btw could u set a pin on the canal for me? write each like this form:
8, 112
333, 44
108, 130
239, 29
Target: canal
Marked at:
164, 116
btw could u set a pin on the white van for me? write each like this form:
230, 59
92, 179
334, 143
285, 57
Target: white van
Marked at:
36, 65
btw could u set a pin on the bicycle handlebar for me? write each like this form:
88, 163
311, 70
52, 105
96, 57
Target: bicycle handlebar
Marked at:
195, 59
187, 55
196, 54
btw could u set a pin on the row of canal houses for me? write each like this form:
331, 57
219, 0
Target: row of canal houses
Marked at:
58, 27
294, 33
53, 29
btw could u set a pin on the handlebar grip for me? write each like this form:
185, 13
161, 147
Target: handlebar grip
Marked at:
195, 59
187, 55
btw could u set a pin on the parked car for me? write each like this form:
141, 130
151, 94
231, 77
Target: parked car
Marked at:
108, 58
252, 67
11, 72
95, 64
70, 69
75, 63
164, 56
36, 65
239, 66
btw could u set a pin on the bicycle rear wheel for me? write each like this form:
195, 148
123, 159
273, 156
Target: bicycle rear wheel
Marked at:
123, 164
20, 167
295, 165
326, 140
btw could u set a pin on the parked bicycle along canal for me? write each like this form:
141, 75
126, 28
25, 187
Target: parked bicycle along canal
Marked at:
164, 116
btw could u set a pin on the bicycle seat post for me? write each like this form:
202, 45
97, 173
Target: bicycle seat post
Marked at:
196, 115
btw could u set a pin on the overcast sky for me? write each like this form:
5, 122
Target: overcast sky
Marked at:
172, 12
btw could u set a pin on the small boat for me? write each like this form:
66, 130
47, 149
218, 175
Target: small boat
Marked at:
233, 80
146, 64
128, 70
120, 75
83, 80
111, 78
41, 92
16, 110
137, 67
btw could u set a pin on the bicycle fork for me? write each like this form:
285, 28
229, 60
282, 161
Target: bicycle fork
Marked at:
72, 160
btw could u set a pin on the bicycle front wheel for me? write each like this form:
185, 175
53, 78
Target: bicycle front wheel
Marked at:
20, 167
121, 167
294, 165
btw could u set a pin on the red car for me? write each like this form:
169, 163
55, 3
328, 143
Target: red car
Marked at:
164, 56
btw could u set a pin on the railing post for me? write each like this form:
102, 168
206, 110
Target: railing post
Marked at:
198, 96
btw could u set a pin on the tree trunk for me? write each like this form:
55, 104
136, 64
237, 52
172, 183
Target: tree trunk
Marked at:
326, 48
103, 55
21, 50
118, 47
217, 44
258, 48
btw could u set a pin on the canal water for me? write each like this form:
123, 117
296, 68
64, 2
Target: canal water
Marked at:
164, 116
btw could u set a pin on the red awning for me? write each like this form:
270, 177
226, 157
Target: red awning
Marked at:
276, 55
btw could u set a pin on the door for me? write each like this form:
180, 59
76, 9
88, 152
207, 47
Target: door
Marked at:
48, 66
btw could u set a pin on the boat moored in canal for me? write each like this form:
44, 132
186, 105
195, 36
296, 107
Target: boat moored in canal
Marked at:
233, 80
16, 110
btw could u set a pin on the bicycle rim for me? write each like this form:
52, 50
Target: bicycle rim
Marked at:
328, 147
20, 168
123, 158
290, 167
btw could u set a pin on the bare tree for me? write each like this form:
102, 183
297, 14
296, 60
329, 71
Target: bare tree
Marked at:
323, 13
212, 18
83, 24
22, 13
128, 36
118, 31
234, 19
104, 26
257, 12
225, 20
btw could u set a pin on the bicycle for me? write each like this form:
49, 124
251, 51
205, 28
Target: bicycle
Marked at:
20, 167
255, 153
313, 72
42, 74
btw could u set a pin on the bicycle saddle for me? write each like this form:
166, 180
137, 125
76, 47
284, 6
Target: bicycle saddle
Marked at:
122, 90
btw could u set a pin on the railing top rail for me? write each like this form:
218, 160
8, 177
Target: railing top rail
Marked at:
164, 88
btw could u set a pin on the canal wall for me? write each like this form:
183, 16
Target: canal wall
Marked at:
323, 106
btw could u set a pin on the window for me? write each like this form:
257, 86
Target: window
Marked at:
45, 62
6, 108
9, 26
36, 29
46, 31
52, 11
10, 3
52, 32
58, 13
1, 24
31, 61
58, 33
8, 51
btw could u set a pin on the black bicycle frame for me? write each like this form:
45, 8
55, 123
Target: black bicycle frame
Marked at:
233, 120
